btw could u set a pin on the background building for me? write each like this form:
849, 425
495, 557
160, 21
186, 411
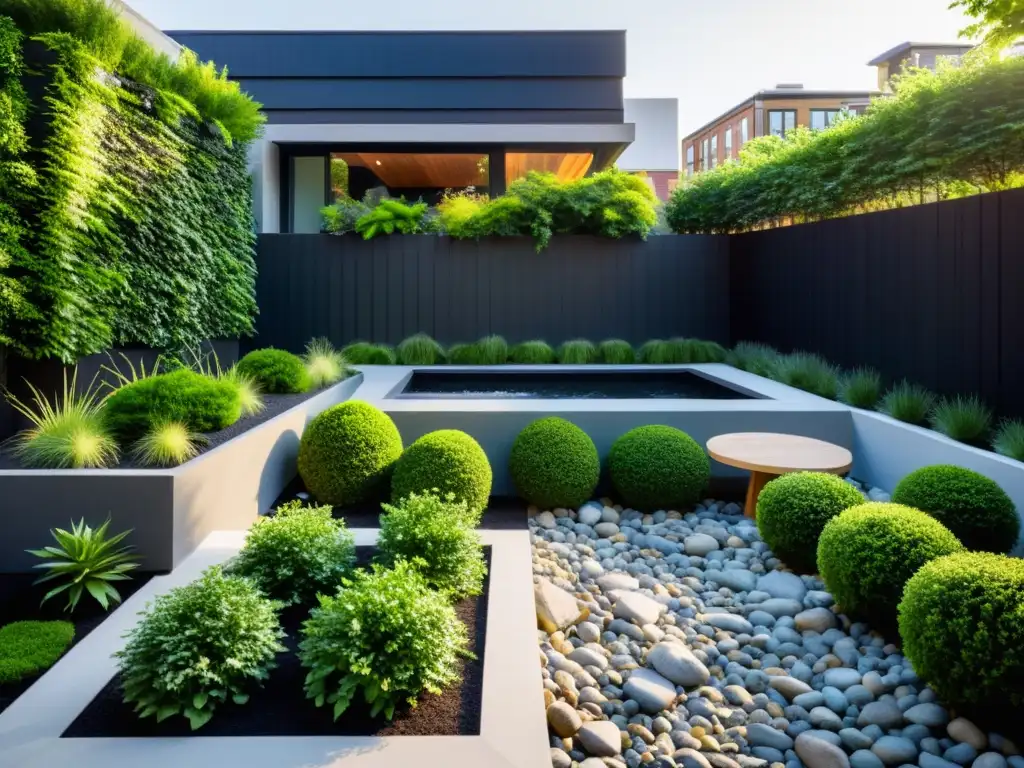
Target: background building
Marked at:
655, 147
904, 55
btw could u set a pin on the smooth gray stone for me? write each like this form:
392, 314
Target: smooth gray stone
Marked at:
895, 750
766, 736
864, 758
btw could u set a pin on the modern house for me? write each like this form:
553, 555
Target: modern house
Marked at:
418, 113
904, 55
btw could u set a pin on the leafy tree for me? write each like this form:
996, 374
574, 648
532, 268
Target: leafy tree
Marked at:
999, 22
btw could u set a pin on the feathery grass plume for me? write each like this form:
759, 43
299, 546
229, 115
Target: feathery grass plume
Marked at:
127, 372
249, 391
616, 352
577, 352
167, 445
966, 419
420, 349
656, 352
1009, 439
531, 353
907, 402
324, 364
756, 358
491, 350
861, 388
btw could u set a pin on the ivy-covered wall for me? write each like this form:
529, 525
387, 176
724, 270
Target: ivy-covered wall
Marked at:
131, 224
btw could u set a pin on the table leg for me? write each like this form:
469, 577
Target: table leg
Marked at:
757, 482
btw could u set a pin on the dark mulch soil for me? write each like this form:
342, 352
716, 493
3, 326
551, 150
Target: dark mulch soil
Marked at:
503, 513
280, 708
19, 601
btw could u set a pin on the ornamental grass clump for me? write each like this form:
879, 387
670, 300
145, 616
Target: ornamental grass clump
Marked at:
861, 388
531, 353
325, 365
616, 352
447, 461
296, 553
975, 508
1009, 440
577, 352
966, 419
385, 636
30, 647
167, 445
420, 349
554, 464
199, 646
491, 350
809, 373
436, 533
908, 402
658, 468
657, 352
276, 371
364, 353
759, 359
250, 395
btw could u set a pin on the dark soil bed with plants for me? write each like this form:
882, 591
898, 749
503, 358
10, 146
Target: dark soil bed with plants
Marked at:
19, 601
280, 708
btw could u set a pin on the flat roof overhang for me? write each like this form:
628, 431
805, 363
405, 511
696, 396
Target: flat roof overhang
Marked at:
457, 133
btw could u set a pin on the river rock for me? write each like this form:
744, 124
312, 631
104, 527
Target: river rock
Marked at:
634, 606
589, 657
932, 715
965, 731
865, 758
782, 584
737, 580
842, 677
563, 719
600, 738
612, 581
650, 690
884, 714
700, 544
556, 608
895, 750
730, 622
789, 687
780, 606
589, 514
818, 753
815, 619
677, 663
761, 735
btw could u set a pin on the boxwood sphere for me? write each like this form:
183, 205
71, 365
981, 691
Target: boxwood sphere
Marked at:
867, 554
347, 453
792, 510
276, 371
449, 461
554, 464
971, 505
962, 625
658, 467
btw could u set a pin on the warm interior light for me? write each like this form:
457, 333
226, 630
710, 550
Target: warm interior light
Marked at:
378, 162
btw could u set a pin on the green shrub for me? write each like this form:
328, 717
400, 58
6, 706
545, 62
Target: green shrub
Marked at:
908, 402
616, 352
456, 212
167, 445
347, 453
199, 645
1009, 440
364, 353
276, 371
966, 419
447, 461
297, 553
809, 373
657, 352
409, 641
391, 216
70, 431
577, 352
554, 464
30, 647
759, 359
341, 217
962, 625
792, 511
435, 532
325, 365
420, 350
707, 352
868, 553
490, 350
972, 506
202, 403
658, 467
531, 353
861, 388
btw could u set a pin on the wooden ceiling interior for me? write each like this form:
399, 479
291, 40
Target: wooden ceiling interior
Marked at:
567, 166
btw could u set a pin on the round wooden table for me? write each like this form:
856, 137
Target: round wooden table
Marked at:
769, 455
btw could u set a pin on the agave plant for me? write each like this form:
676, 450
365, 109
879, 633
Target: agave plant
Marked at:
85, 560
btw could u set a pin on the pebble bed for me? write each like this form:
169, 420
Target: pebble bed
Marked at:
677, 639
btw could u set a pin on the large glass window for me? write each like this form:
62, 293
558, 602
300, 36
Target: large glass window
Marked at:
409, 175
823, 118
689, 160
714, 150
744, 131
567, 166
728, 142
780, 121
309, 185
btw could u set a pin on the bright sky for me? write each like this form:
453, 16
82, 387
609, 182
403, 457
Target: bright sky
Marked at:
710, 54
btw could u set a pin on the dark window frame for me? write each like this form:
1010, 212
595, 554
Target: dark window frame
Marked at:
783, 112
826, 111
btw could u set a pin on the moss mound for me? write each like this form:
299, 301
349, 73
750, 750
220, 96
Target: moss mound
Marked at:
275, 371
658, 467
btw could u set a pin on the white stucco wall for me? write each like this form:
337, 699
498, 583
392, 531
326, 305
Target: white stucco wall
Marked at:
657, 144
146, 29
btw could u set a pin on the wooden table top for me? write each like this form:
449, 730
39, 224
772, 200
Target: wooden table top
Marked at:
779, 454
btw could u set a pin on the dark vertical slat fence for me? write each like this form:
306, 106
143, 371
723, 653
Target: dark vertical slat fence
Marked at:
932, 293
389, 288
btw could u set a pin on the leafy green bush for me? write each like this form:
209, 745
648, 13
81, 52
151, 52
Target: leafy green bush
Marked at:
30, 647
202, 403
868, 553
347, 453
199, 645
447, 461
908, 402
324, 364
616, 352
297, 553
85, 560
792, 511
70, 431
1009, 440
457, 212
364, 353
435, 532
809, 373
966, 419
960, 622
167, 445
341, 217
391, 216
577, 352
420, 349
759, 359
972, 506
531, 353
490, 350
409, 641
658, 467
554, 464
275, 371
861, 388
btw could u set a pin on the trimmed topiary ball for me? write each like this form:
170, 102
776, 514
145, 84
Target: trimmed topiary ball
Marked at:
658, 467
868, 553
448, 461
276, 371
971, 505
793, 509
347, 453
554, 463
962, 625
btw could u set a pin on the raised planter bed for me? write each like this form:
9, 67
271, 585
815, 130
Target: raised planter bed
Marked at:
170, 511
